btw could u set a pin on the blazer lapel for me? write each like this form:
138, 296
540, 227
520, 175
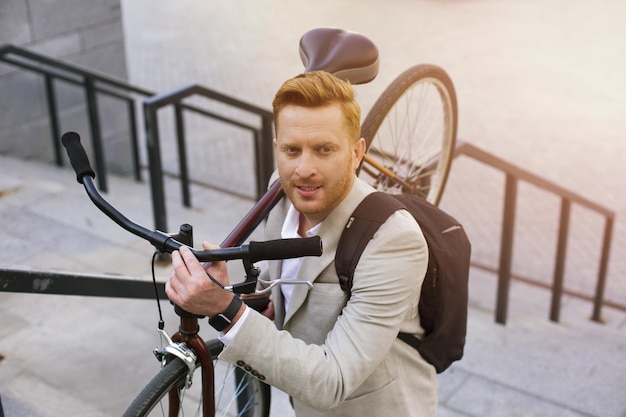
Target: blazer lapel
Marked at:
273, 231
310, 269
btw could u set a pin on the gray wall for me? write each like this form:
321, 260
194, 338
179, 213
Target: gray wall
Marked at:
85, 32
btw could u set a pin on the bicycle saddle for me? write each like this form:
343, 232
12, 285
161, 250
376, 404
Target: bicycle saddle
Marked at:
347, 55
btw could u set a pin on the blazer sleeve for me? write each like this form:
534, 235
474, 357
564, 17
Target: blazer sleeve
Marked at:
384, 300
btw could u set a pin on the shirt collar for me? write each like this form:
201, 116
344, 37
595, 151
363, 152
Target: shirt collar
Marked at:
292, 223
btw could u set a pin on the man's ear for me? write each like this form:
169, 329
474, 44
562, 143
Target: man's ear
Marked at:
359, 151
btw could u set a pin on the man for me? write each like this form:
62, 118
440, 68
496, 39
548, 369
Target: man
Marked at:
334, 356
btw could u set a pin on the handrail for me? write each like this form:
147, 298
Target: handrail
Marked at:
76, 69
93, 82
28, 280
513, 175
262, 138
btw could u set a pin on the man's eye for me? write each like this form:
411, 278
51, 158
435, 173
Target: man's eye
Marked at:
290, 150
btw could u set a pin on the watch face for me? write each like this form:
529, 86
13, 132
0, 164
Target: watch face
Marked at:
219, 322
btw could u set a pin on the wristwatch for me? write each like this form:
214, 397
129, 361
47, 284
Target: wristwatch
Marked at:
226, 317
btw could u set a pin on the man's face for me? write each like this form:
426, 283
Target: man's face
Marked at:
316, 159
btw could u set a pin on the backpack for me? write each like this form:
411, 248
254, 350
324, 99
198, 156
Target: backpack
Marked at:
444, 296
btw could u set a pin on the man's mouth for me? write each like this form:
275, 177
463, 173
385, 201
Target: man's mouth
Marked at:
309, 188
307, 191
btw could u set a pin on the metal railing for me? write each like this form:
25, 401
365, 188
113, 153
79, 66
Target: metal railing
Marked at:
27, 280
261, 141
93, 84
515, 174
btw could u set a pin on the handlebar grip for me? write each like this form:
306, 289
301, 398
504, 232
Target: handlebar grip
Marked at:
285, 248
78, 156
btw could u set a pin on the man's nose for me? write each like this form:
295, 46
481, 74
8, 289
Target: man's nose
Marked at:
306, 165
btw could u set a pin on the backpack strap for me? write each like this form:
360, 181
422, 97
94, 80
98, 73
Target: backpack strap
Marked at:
373, 211
410, 339
364, 222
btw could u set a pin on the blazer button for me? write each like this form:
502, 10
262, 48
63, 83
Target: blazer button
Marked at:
247, 368
261, 377
240, 363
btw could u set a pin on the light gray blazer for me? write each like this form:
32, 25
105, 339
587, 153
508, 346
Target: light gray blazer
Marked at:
339, 357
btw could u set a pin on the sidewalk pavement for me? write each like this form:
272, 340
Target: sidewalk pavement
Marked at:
539, 84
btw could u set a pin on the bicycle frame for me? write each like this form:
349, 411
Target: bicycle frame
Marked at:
408, 188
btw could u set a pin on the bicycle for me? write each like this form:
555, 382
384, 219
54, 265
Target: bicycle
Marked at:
391, 165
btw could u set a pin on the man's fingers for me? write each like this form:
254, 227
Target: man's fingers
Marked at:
177, 260
191, 269
171, 288
191, 262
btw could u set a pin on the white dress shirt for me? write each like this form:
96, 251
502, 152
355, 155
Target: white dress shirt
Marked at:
289, 268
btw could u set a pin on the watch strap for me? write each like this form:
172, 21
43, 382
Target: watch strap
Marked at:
224, 319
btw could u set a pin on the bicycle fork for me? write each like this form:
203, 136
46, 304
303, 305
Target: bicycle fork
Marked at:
189, 347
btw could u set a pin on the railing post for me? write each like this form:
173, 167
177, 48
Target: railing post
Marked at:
258, 162
182, 155
559, 268
132, 120
54, 119
96, 139
506, 249
155, 168
604, 262
266, 155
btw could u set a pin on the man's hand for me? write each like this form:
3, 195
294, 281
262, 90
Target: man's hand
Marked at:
269, 310
189, 286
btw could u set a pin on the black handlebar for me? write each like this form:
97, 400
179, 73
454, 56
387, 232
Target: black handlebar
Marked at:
255, 251
77, 155
258, 251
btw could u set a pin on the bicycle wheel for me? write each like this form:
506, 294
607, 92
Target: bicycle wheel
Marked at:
236, 393
411, 133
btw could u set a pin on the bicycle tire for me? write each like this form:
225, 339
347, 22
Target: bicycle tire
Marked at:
238, 394
411, 131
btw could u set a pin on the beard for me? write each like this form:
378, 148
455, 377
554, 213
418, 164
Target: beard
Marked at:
328, 195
